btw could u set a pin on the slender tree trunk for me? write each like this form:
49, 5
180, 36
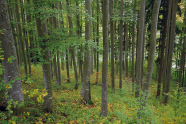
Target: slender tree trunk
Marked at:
42, 28
55, 69
139, 48
183, 57
126, 49
59, 70
85, 89
126, 43
21, 39
31, 36
97, 40
162, 49
169, 48
72, 48
15, 32
133, 40
104, 105
142, 62
25, 36
148, 76
121, 45
112, 43
67, 67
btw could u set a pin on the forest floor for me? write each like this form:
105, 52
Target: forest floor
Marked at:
69, 108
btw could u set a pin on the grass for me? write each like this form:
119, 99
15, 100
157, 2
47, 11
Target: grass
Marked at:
69, 107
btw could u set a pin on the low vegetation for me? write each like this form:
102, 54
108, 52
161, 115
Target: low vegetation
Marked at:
68, 106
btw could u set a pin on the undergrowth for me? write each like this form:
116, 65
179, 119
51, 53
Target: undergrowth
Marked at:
69, 108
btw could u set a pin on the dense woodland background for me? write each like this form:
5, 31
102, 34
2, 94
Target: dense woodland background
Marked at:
92, 61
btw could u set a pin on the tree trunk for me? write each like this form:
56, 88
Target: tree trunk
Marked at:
139, 48
169, 47
42, 28
21, 39
59, 70
121, 45
181, 75
11, 69
25, 36
67, 67
85, 89
112, 43
133, 40
97, 40
56, 63
104, 105
31, 36
148, 76
72, 48
162, 49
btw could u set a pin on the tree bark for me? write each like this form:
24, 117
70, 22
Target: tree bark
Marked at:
21, 40
97, 40
162, 49
139, 48
42, 28
72, 48
104, 105
112, 43
121, 45
133, 40
148, 76
182, 65
11, 69
169, 48
85, 89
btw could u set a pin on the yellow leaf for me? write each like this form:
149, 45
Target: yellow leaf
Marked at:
2, 33
13, 122
2, 58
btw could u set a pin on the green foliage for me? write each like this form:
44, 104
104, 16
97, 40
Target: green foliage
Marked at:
69, 106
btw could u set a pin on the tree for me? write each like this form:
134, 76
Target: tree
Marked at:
104, 105
10, 63
139, 48
133, 40
85, 89
112, 42
169, 48
151, 54
21, 40
121, 45
181, 75
72, 48
42, 29
97, 40
162, 47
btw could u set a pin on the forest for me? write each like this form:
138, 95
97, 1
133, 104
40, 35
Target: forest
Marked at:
93, 61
